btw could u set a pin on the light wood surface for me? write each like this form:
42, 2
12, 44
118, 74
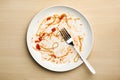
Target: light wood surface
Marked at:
16, 62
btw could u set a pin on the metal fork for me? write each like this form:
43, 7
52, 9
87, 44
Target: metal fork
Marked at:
66, 36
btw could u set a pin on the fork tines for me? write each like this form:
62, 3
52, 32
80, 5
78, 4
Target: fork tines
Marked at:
65, 34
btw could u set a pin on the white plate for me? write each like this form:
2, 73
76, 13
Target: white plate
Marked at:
88, 41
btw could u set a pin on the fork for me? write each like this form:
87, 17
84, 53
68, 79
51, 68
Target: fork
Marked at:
66, 36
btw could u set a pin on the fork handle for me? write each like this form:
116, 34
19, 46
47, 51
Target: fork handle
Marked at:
92, 70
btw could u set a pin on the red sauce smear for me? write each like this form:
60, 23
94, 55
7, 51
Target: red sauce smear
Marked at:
36, 41
53, 55
62, 16
53, 29
48, 18
38, 47
40, 38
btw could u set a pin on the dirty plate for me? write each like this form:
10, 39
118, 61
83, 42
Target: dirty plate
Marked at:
46, 45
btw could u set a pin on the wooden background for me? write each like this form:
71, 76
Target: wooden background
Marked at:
16, 62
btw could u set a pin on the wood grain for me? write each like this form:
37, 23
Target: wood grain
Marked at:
16, 62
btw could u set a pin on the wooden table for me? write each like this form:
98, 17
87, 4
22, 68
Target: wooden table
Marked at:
16, 62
